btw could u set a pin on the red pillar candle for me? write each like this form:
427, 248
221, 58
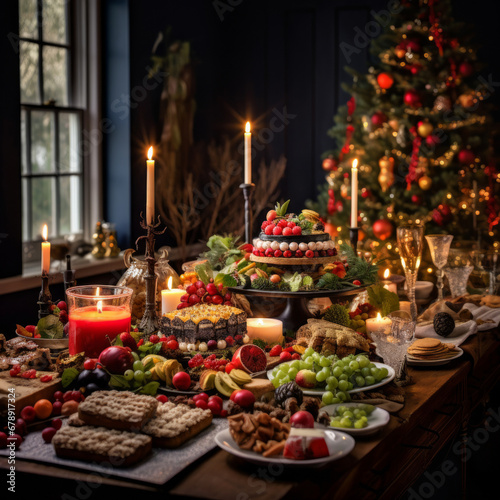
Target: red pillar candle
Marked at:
91, 331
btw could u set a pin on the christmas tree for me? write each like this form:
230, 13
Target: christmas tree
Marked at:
418, 123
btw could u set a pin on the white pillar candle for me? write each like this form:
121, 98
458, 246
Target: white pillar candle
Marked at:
354, 193
171, 297
267, 329
150, 188
248, 154
378, 324
45, 251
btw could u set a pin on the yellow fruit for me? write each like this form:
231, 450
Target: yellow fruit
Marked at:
299, 348
155, 358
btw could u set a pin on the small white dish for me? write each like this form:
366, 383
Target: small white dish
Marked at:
376, 420
432, 362
339, 445
423, 289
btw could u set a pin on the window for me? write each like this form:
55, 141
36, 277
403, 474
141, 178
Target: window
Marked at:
52, 114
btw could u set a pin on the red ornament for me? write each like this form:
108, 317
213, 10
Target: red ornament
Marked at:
442, 215
385, 81
382, 229
432, 140
415, 68
331, 207
329, 164
416, 199
413, 46
466, 156
338, 206
466, 69
412, 98
378, 118
365, 193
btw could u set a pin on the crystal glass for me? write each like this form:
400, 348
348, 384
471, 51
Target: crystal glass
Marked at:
410, 243
457, 279
392, 347
486, 263
439, 246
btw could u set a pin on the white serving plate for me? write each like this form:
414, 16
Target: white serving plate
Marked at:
320, 392
432, 362
339, 444
376, 420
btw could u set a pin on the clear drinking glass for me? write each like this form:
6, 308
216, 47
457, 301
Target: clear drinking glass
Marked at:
489, 262
410, 243
457, 279
393, 347
439, 246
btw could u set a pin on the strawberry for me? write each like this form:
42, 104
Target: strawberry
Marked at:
285, 356
128, 341
275, 350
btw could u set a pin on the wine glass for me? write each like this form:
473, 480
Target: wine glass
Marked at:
439, 245
458, 270
410, 243
488, 261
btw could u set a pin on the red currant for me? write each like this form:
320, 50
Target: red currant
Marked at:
199, 284
269, 252
154, 339
298, 253
278, 253
309, 254
184, 298
173, 344
287, 254
89, 364
212, 289
217, 299
191, 289
162, 398
356, 282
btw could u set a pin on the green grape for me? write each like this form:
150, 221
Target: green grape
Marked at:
302, 365
343, 385
308, 352
342, 395
129, 374
332, 383
284, 367
359, 424
337, 371
370, 380
376, 373
315, 355
276, 383
348, 371
292, 373
371, 365
139, 375
285, 380
320, 376
309, 360
327, 398
360, 381
384, 372
147, 375
275, 371
138, 366
363, 361
135, 356
368, 408
354, 365
335, 422
340, 363
350, 386
348, 413
324, 362
343, 376
335, 400
365, 371
295, 364
346, 422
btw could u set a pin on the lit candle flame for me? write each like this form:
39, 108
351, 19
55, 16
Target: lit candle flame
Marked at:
98, 291
99, 306
150, 153
169, 283
45, 232
247, 128
260, 322
379, 318
355, 164
386, 273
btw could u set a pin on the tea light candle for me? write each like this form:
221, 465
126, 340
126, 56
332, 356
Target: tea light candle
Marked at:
171, 297
267, 329
388, 283
378, 324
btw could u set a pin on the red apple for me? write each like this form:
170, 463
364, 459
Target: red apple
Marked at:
306, 378
28, 414
21, 427
117, 359
243, 398
181, 381
302, 419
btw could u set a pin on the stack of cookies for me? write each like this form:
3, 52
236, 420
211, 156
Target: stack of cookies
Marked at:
431, 349
121, 427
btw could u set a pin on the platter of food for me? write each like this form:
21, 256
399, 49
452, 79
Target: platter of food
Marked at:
431, 352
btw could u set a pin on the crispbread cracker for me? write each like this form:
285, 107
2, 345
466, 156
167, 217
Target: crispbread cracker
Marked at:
431, 348
426, 343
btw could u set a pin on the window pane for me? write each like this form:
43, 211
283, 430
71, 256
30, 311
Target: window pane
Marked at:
28, 24
69, 133
28, 68
54, 21
24, 162
70, 194
42, 204
42, 142
25, 194
55, 76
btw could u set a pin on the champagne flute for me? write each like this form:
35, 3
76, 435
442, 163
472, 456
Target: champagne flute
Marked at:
439, 245
410, 244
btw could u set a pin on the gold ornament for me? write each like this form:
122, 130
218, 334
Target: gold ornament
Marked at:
425, 182
344, 191
99, 239
400, 53
424, 129
386, 175
394, 124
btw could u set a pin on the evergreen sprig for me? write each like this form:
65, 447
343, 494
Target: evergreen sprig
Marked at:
358, 268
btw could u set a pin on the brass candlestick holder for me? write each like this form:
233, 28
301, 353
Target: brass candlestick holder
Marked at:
247, 193
149, 322
44, 297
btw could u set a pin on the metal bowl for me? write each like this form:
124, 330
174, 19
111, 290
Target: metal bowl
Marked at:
55, 345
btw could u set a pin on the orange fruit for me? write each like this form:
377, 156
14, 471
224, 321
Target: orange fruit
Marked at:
69, 407
43, 408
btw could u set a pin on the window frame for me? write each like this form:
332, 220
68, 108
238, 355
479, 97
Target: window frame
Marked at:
83, 42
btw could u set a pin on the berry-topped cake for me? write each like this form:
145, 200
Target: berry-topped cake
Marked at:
290, 236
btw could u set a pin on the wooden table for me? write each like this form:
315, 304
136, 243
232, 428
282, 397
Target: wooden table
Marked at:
436, 413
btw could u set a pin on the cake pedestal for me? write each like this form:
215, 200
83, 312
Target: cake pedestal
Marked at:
296, 312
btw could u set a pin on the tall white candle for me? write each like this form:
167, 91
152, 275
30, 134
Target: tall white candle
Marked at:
45, 251
150, 188
248, 154
354, 194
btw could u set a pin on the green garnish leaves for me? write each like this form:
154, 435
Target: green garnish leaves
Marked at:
383, 299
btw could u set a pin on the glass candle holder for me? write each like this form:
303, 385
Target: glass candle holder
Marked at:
97, 314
